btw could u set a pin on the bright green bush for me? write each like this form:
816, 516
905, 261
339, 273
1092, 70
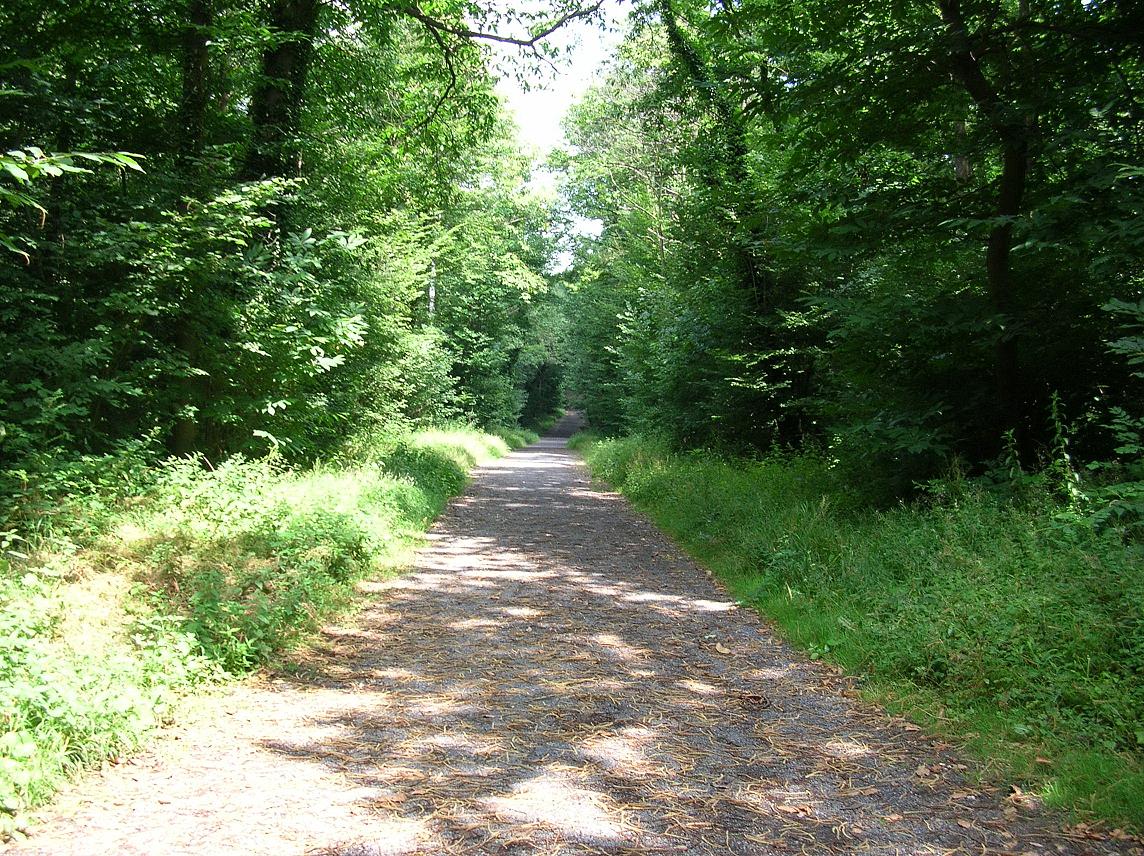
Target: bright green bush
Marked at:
998, 614
63, 706
252, 554
132, 597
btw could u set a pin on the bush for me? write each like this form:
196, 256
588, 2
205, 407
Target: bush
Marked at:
135, 595
999, 617
69, 700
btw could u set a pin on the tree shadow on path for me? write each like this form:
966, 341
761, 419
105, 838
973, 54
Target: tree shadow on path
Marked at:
551, 677
554, 677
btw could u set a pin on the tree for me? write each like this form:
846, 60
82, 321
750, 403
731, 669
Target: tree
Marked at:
305, 164
922, 189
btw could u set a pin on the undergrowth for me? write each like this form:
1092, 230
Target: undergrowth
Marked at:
121, 600
988, 620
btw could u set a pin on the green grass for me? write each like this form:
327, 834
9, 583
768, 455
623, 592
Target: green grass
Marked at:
123, 604
990, 622
542, 424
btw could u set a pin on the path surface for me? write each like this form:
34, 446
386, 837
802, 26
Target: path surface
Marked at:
553, 677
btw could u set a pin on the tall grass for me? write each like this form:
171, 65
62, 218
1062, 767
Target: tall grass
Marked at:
128, 599
988, 620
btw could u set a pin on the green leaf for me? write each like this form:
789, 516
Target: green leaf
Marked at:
19, 172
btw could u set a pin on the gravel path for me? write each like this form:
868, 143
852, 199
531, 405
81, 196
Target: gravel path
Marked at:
552, 677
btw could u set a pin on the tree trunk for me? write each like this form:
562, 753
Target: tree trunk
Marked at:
276, 108
195, 94
191, 134
1011, 399
1013, 135
185, 437
962, 166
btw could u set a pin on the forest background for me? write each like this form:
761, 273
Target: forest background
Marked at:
887, 257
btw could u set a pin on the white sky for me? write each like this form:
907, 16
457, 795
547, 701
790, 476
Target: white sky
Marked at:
539, 112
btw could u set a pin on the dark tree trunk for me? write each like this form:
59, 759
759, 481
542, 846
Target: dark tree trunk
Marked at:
185, 437
276, 108
196, 93
191, 138
1007, 368
1013, 134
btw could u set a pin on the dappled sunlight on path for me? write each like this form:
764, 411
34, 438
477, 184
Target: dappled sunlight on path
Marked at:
551, 677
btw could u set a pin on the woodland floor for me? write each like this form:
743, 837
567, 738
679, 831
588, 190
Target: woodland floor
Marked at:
552, 677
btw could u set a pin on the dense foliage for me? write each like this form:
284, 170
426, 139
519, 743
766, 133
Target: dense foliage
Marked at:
911, 234
285, 220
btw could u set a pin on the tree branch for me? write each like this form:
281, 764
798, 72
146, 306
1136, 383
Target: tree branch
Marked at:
967, 70
447, 55
439, 26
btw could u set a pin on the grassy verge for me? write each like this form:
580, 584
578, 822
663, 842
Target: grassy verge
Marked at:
120, 606
987, 621
542, 424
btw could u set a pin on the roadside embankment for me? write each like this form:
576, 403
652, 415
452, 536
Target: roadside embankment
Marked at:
990, 621
119, 602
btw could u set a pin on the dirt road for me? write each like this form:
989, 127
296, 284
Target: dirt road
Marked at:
552, 677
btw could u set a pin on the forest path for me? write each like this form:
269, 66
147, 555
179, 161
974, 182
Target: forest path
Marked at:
552, 677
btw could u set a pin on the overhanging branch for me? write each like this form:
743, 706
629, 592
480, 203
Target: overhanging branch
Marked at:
438, 26
447, 56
